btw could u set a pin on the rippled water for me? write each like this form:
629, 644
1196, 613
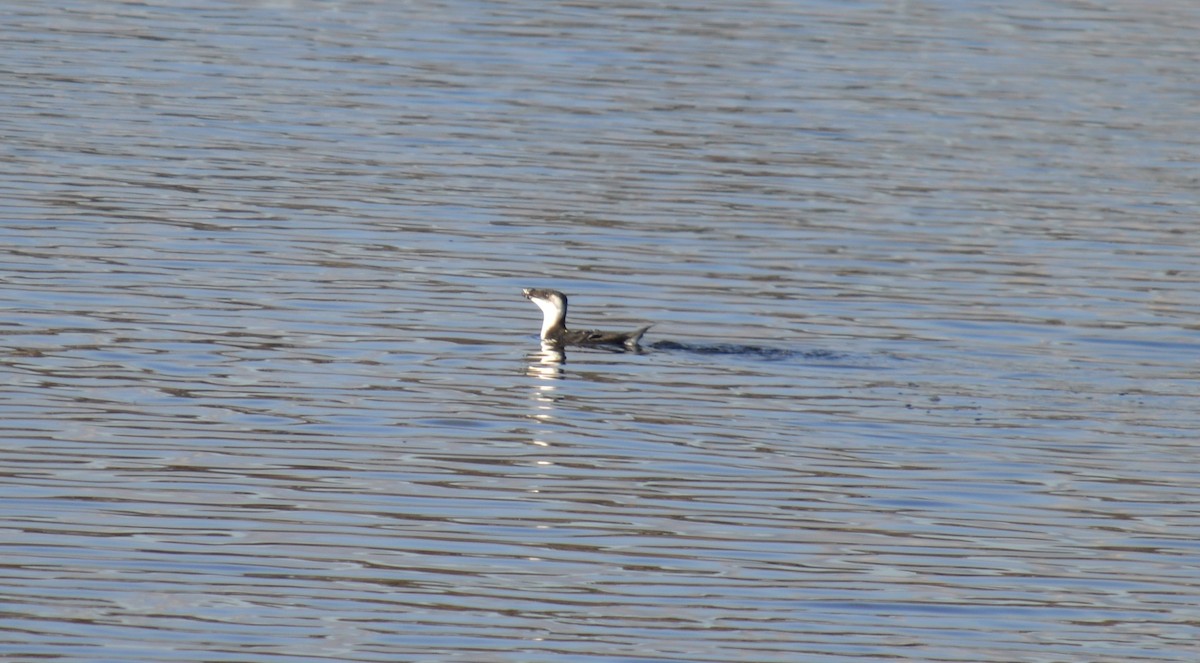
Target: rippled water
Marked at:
921, 384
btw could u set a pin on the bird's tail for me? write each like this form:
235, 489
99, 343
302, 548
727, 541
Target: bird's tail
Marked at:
636, 336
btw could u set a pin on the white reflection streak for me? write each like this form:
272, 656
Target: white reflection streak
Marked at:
545, 365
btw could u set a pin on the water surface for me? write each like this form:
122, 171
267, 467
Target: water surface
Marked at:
921, 384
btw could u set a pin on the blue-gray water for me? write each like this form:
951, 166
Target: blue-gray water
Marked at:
922, 385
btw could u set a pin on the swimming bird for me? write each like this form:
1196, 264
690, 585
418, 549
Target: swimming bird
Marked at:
554, 323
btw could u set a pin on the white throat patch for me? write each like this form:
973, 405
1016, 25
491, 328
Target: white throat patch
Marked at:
551, 313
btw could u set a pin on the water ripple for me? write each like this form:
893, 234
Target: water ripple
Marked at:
920, 385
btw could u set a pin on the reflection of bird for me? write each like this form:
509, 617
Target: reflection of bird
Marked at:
554, 323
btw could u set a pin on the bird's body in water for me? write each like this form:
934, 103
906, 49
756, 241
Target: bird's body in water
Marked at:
554, 323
